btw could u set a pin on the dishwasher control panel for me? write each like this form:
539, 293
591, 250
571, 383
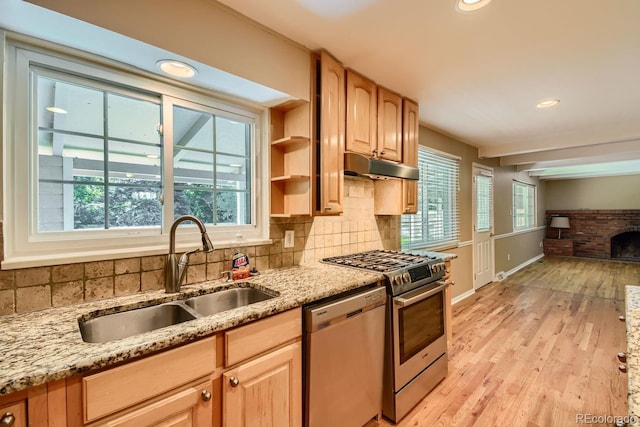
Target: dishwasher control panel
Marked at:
324, 314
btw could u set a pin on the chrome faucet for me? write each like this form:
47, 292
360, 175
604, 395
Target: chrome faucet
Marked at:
175, 269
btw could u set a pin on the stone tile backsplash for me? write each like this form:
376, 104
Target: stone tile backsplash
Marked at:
357, 229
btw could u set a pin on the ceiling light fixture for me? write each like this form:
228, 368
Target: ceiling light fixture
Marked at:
548, 103
153, 156
470, 5
176, 68
57, 110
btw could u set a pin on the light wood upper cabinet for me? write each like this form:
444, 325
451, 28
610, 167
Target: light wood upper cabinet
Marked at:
410, 132
410, 141
362, 113
389, 125
329, 126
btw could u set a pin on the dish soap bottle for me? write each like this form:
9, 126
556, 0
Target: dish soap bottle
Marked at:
239, 263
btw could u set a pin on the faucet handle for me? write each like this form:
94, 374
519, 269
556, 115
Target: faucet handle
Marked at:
229, 274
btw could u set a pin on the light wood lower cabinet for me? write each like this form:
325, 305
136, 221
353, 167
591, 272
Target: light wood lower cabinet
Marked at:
266, 391
14, 414
190, 407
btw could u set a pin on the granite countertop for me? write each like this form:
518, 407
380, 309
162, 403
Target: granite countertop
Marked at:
46, 345
632, 314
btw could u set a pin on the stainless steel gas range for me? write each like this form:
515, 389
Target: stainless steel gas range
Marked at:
416, 337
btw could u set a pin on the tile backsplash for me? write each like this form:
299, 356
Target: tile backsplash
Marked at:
357, 229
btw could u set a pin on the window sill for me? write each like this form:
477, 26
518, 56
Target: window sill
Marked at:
11, 263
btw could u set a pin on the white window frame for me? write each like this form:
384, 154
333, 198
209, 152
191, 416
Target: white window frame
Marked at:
426, 155
24, 246
529, 216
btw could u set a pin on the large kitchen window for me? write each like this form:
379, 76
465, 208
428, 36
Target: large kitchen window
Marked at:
435, 225
524, 206
102, 162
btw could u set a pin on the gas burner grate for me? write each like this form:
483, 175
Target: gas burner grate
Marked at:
379, 260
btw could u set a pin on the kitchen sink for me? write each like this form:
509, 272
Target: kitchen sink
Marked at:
116, 326
111, 327
227, 299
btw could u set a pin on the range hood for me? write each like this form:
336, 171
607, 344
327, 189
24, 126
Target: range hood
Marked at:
357, 164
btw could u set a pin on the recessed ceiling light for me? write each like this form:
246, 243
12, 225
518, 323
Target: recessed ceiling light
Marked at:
470, 5
548, 103
235, 165
57, 110
176, 68
153, 156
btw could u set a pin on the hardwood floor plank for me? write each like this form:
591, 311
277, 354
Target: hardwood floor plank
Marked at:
535, 350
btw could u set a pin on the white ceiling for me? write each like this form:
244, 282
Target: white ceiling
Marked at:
478, 76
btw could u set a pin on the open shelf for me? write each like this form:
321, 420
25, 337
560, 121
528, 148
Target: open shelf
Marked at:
290, 159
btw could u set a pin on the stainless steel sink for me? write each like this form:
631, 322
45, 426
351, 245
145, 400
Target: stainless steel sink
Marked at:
111, 327
227, 299
116, 326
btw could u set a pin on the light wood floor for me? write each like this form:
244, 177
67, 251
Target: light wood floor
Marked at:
536, 349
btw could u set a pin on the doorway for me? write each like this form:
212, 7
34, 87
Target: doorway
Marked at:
483, 249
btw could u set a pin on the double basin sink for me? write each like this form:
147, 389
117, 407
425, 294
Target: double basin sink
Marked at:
111, 327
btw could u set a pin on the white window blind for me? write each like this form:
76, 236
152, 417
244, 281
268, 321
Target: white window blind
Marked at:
484, 201
436, 222
524, 206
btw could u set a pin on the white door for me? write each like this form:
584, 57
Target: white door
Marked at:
482, 226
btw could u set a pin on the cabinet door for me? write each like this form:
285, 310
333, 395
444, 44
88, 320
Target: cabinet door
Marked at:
362, 113
191, 407
265, 392
410, 132
409, 196
14, 414
389, 125
332, 135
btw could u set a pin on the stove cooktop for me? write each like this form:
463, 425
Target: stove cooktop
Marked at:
383, 261
403, 271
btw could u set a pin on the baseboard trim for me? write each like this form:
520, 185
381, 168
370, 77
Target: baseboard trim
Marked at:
523, 265
463, 296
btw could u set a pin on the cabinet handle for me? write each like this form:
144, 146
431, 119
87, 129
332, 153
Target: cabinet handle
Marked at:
382, 153
622, 356
621, 318
234, 381
622, 367
327, 208
8, 419
206, 395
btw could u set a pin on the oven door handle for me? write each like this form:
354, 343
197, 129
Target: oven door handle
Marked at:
403, 302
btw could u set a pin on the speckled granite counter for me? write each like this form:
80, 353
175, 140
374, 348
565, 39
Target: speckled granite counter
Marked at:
46, 345
632, 314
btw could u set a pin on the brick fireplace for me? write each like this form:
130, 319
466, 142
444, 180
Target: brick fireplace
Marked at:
595, 232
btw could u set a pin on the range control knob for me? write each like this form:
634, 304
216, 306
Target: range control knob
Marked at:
397, 280
406, 278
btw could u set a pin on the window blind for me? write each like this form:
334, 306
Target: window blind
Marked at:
436, 222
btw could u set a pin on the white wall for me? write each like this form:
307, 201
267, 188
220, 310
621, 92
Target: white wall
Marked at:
204, 31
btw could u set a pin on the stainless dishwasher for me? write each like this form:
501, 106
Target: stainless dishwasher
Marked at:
343, 362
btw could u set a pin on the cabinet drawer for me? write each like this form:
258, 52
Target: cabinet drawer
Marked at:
110, 391
256, 338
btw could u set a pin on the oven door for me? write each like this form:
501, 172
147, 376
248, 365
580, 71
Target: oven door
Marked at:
419, 331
